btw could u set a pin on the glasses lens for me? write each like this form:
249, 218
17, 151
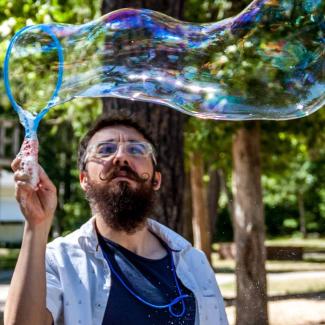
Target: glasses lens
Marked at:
138, 149
106, 149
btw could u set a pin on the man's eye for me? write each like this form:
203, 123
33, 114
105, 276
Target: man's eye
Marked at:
137, 149
106, 149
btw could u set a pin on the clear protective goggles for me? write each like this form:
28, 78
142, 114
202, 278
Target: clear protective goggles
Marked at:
106, 149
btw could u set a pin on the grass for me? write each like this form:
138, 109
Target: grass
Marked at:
228, 266
309, 244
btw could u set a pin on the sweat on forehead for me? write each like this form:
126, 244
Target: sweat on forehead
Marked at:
117, 133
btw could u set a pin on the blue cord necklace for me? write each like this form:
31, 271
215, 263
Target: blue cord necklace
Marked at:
170, 306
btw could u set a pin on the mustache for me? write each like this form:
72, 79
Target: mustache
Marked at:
129, 173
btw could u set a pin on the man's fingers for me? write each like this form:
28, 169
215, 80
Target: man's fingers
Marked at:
45, 180
21, 176
22, 190
15, 165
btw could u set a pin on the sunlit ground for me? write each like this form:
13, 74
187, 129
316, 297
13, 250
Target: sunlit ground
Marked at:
291, 312
296, 288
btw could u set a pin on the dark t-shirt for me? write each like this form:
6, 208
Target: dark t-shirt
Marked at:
151, 280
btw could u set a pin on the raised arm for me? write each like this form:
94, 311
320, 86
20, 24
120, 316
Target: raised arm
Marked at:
26, 303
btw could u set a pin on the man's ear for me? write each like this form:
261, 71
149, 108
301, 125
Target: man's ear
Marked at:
83, 179
157, 181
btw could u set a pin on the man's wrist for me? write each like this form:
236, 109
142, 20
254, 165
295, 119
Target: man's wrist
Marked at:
39, 232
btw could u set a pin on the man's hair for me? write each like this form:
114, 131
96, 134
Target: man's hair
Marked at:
103, 122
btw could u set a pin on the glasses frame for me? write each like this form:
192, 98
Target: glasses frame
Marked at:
90, 150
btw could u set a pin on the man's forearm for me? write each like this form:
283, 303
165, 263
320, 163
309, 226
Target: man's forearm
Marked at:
26, 303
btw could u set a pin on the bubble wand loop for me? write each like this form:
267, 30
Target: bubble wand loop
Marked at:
29, 149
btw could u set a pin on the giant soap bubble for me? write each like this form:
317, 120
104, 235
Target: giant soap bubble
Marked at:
265, 63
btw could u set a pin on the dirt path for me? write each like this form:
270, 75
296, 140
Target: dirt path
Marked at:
291, 312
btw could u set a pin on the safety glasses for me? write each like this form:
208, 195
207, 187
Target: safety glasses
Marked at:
106, 149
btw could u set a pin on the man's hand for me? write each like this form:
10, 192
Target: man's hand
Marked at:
26, 302
38, 205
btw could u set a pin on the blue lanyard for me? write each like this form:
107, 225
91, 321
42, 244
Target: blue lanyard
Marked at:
181, 296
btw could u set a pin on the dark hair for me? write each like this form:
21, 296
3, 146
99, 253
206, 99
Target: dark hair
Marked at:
104, 122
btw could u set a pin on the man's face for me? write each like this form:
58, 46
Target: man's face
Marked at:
120, 186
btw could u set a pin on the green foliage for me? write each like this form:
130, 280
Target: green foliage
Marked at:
61, 129
293, 152
212, 10
16, 14
211, 138
293, 157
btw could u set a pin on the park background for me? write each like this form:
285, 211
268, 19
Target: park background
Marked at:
200, 161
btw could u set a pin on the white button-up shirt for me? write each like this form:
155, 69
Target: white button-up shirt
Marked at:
79, 279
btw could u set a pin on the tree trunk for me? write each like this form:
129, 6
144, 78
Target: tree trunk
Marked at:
227, 191
302, 219
214, 191
249, 229
200, 218
164, 124
187, 224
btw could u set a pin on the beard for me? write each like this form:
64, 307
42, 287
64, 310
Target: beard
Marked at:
122, 207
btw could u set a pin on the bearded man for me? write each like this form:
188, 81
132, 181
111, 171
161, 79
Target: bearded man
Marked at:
121, 267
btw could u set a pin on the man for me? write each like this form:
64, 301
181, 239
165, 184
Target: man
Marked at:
121, 267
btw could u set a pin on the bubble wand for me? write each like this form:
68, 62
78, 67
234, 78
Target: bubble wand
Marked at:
29, 149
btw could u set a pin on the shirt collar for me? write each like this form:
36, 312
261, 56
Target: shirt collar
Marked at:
171, 238
88, 237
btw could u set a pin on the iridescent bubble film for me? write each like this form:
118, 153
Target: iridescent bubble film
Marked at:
265, 63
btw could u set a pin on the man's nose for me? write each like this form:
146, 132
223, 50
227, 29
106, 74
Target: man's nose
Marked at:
120, 157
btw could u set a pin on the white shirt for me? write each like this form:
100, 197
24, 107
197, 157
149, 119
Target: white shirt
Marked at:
79, 279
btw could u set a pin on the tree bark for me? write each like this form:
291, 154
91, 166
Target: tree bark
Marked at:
214, 191
187, 224
249, 229
200, 218
228, 192
164, 124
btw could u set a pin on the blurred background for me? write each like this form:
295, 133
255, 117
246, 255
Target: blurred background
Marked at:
251, 195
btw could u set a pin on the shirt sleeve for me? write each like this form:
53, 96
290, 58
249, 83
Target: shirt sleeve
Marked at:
53, 289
